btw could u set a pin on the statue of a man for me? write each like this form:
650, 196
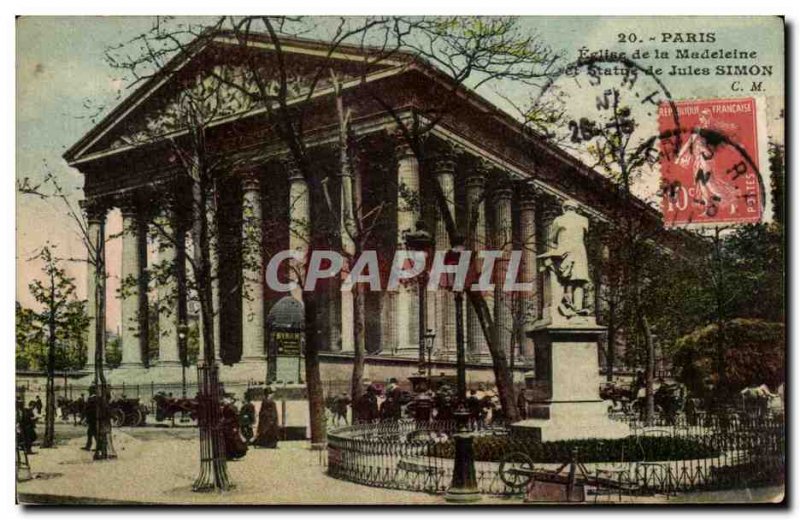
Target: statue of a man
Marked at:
567, 258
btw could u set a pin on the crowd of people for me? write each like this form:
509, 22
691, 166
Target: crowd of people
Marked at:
392, 403
248, 425
242, 427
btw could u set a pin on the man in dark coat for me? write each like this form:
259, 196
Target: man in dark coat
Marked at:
367, 406
90, 412
27, 427
37, 404
522, 404
268, 429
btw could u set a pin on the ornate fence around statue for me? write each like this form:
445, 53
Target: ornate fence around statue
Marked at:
402, 455
739, 452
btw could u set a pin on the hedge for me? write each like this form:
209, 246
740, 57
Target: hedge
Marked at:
589, 450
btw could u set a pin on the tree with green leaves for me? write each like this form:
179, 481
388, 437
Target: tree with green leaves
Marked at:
94, 241
57, 318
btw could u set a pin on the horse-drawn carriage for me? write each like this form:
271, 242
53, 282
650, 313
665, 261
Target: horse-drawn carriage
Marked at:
124, 411
127, 411
669, 399
167, 407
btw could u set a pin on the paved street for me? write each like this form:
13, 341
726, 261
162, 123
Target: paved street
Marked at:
158, 464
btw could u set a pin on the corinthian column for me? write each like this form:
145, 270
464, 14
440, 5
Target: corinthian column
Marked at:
299, 228
527, 273
252, 286
476, 240
503, 241
96, 218
133, 341
445, 321
408, 214
168, 293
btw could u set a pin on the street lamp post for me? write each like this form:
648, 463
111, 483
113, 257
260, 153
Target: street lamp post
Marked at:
182, 328
430, 336
421, 240
463, 488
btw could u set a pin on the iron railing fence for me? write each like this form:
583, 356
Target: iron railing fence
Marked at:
402, 455
739, 453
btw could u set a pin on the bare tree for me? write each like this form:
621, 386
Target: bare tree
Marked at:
470, 51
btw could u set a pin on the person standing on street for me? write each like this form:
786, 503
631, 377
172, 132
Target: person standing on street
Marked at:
90, 412
268, 428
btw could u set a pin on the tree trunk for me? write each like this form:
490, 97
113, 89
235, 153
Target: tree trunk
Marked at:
500, 365
104, 448
611, 340
50, 398
316, 401
502, 374
212, 443
359, 347
650, 372
201, 260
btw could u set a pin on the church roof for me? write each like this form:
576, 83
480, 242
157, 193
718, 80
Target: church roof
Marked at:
223, 42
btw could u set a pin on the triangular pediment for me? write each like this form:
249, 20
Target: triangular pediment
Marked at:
222, 80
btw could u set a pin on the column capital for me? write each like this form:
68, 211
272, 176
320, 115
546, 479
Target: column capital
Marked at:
528, 194
476, 181
94, 209
502, 192
251, 181
402, 148
128, 203
444, 164
292, 170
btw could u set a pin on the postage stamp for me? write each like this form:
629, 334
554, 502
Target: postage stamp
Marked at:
713, 177
352, 260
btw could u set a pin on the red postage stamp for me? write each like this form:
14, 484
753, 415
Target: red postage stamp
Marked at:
709, 162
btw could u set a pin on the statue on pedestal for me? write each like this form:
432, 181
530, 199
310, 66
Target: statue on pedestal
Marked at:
568, 261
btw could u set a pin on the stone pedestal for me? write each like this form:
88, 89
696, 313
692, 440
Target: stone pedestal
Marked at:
566, 359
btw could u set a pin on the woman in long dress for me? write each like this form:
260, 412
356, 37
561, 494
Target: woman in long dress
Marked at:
268, 430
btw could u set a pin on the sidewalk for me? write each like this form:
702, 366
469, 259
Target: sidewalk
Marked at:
161, 471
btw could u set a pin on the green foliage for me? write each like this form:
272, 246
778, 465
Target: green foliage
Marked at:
755, 272
56, 300
114, 352
754, 354
589, 450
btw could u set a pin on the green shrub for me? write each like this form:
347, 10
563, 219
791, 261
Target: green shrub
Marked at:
754, 355
589, 450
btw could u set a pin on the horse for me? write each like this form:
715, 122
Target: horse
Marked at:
619, 396
71, 407
167, 406
337, 406
761, 400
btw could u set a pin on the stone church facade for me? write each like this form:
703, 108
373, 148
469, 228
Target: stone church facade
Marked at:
484, 161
